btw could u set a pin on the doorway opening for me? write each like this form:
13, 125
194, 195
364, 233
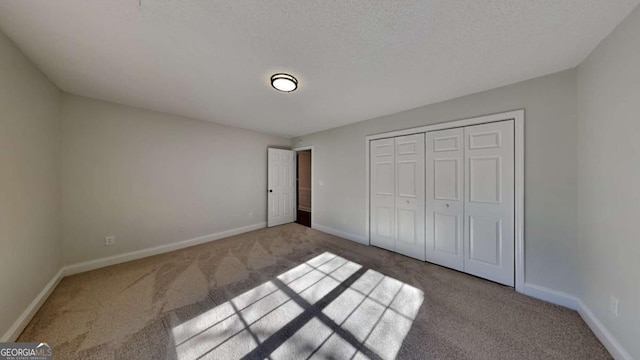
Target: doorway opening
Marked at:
303, 187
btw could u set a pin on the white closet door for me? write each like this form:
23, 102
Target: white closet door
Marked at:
409, 199
282, 189
445, 198
382, 193
489, 201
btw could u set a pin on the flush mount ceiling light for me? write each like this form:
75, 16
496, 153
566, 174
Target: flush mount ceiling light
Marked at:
284, 82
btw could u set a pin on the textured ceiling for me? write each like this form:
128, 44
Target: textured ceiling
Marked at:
355, 60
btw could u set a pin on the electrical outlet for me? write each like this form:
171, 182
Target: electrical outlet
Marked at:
109, 240
251, 214
613, 305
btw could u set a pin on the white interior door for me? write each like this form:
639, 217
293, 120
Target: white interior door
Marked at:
282, 189
489, 201
409, 196
445, 198
382, 198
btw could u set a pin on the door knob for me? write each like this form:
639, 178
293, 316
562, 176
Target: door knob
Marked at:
447, 205
270, 190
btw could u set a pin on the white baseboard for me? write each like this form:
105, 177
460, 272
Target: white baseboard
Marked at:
135, 255
572, 302
539, 292
16, 329
550, 295
339, 233
18, 326
601, 332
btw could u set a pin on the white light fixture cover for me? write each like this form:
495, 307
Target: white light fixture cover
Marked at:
284, 82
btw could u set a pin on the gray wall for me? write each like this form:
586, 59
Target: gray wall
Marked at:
30, 230
609, 181
152, 179
550, 166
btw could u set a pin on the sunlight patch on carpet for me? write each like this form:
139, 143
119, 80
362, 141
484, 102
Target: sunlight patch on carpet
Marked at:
327, 307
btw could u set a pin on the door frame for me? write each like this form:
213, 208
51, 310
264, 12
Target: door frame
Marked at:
313, 192
518, 118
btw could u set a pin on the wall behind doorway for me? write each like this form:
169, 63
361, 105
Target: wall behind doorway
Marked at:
304, 180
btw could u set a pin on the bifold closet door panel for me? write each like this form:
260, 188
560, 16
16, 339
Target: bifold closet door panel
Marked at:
489, 201
410, 195
382, 193
445, 198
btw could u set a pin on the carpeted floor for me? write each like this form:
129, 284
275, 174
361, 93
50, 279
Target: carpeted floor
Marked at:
291, 292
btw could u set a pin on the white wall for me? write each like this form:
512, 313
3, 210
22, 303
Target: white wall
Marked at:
153, 179
30, 228
609, 181
550, 168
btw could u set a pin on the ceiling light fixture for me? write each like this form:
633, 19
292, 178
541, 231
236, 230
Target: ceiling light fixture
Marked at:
284, 82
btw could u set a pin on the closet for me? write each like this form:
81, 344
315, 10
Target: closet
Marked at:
447, 197
397, 194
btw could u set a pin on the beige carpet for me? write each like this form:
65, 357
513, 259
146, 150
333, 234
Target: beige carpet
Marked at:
293, 292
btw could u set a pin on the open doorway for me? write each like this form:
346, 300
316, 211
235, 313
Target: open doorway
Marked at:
303, 187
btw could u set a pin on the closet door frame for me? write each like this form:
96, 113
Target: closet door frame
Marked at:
518, 117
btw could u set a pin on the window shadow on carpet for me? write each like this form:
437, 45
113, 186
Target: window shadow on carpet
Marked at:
327, 307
